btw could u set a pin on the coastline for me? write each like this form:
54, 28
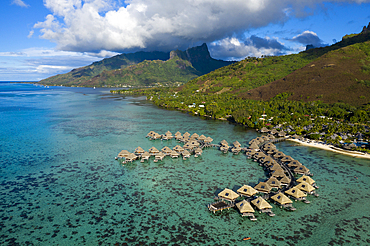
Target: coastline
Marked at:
331, 148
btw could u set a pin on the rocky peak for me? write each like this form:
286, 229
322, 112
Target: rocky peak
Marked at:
366, 29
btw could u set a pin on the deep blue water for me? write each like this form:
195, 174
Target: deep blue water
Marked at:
60, 183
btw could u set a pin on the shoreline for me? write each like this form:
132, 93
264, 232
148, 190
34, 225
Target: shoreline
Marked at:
330, 148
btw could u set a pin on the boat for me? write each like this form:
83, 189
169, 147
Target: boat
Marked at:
246, 238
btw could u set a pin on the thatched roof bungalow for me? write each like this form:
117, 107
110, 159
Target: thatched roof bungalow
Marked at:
208, 140
304, 186
178, 148
247, 190
296, 193
123, 153
174, 154
273, 182
261, 204
139, 151
166, 150
244, 207
301, 170
263, 187
228, 195
153, 151
282, 199
307, 179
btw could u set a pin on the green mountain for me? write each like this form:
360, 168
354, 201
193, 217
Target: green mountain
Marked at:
142, 69
337, 73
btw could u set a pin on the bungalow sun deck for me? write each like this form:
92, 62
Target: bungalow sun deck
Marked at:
219, 206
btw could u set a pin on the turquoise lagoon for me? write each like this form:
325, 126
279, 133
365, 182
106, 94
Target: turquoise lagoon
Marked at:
60, 183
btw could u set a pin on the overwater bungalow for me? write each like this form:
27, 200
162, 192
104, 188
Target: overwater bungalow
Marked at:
184, 139
247, 191
123, 153
198, 152
278, 155
145, 156
153, 151
258, 155
254, 146
275, 166
139, 151
150, 134
287, 158
246, 209
178, 148
263, 206
174, 154
270, 136
273, 183
208, 140
131, 157
281, 134
167, 136
260, 140
195, 136
263, 187
264, 130
284, 180
297, 194
283, 201
294, 164
273, 131
177, 133
265, 138
307, 179
186, 134
155, 136
253, 141
237, 144
224, 148
301, 170
266, 159
195, 143
185, 154
178, 136
166, 150
304, 186
224, 143
202, 137
188, 146
228, 195
236, 150
278, 172
159, 156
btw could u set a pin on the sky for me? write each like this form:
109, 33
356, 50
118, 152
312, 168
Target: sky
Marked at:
39, 39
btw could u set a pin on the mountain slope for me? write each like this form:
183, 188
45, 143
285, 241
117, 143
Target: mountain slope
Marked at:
142, 68
341, 75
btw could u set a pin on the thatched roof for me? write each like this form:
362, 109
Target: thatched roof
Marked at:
145, 154
139, 150
168, 133
307, 179
281, 134
279, 154
254, 146
123, 153
208, 140
160, 155
188, 145
305, 187
224, 143
177, 133
237, 144
186, 134
153, 150
185, 153
285, 180
202, 137
294, 163
244, 207
287, 158
195, 135
278, 172
301, 170
263, 187
228, 194
198, 151
259, 155
253, 141
166, 150
150, 133
131, 157
273, 182
247, 190
178, 148
261, 203
264, 130
273, 131
295, 192
274, 167
281, 198
174, 153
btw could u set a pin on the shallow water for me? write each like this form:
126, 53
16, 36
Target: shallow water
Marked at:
60, 184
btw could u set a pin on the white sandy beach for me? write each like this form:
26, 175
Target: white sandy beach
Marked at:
331, 148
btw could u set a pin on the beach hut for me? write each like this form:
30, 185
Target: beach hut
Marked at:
123, 153
283, 200
166, 150
246, 209
307, 179
228, 195
273, 182
296, 193
153, 151
145, 156
304, 186
262, 205
174, 154
139, 151
301, 170
263, 187
247, 190
178, 148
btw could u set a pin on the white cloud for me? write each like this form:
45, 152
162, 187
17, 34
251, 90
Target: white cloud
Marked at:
20, 3
308, 37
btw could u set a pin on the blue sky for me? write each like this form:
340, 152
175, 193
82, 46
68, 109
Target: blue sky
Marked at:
40, 39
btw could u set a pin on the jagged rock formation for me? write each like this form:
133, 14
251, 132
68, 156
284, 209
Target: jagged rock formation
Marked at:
366, 29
